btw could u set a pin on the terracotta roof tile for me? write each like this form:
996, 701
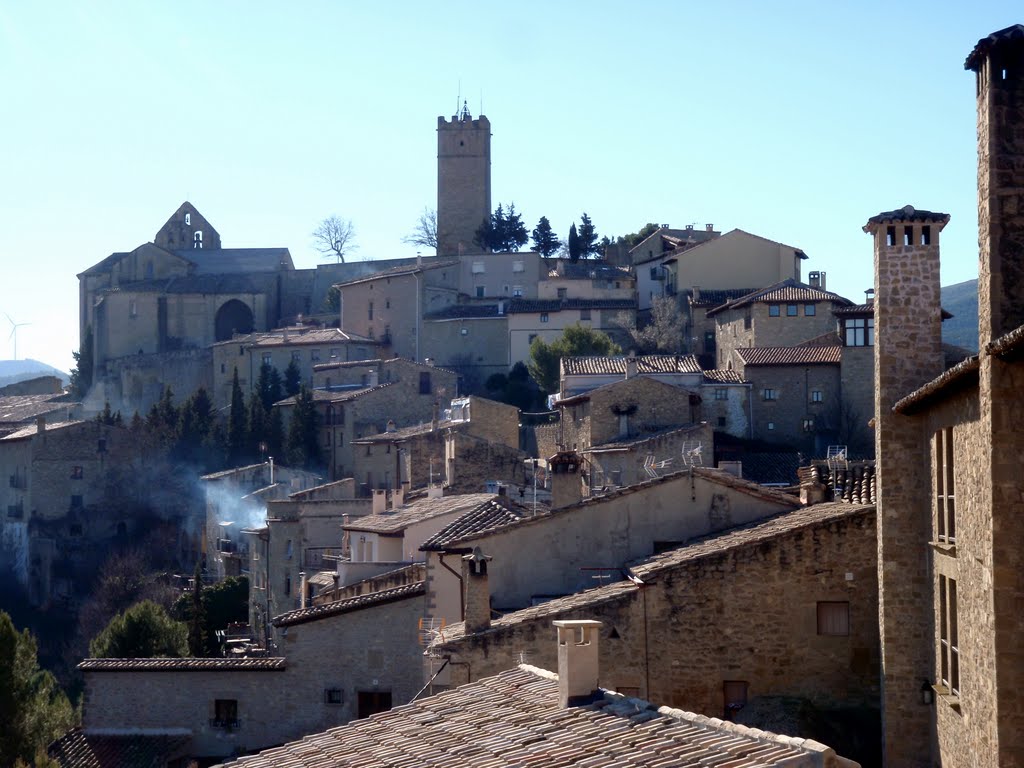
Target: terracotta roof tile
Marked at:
325, 610
513, 719
964, 372
418, 511
811, 355
256, 664
574, 366
717, 376
788, 290
31, 429
639, 440
484, 518
78, 749
715, 298
16, 408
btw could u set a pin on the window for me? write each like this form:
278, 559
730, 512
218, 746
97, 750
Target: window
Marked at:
267, 360
563, 292
341, 440
949, 644
133, 308
333, 696
834, 618
721, 421
479, 291
945, 503
76, 473
808, 425
288, 549
287, 584
816, 396
543, 317
425, 382
225, 713
654, 273
517, 291
314, 354
478, 267
518, 266
464, 331
76, 501
197, 239
859, 332
188, 219
721, 393
791, 310
773, 310
387, 303
770, 394
771, 426
810, 310
369, 311
296, 355
734, 692
101, 445
584, 314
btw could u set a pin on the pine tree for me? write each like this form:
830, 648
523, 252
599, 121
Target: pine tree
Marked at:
256, 427
545, 241
237, 427
588, 238
573, 244
303, 447
292, 379
82, 374
269, 386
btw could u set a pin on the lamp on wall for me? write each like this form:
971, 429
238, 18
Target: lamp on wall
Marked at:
927, 693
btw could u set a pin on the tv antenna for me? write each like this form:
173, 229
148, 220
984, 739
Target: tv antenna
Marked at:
652, 465
14, 332
693, 453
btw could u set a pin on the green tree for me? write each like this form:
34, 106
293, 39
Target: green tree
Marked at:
573, 244
238, 443
588, 238
332, 301
275, 433
292, 379
503, 232
269, 386
223, 603
197, 645
576, 341
35, 709
303, 448
545, 241
256, 425
82, 373
143, 631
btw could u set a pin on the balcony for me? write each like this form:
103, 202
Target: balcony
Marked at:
227, 725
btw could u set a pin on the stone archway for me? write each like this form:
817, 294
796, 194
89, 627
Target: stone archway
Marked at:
233, 317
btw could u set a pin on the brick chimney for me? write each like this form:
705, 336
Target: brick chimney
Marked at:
578, 661
477, 593
565, 479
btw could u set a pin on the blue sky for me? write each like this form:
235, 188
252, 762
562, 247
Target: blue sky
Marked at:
792, 120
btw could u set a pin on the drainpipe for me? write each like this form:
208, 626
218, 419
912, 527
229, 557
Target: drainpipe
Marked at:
750, 411
462, 597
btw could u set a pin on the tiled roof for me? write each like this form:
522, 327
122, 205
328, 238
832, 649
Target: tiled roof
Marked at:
316, 612
404, 269
465, 312
855, 309
986, 45
377, 363
513, 719
715, 298
624, 445
964, 372
477, 521
849, 483
78, 749
1008, 344
715, 545
241, 260
590, 270
576, 366
30, 430
255, 664
521, 306
788, 290
719, 376
906, 213
399, 435
297, 337
418, 511
16, 408
824, 355
715, 476
335, 396
204, 284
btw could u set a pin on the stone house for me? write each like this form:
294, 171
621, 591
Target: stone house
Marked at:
529, 716
561, 551
782, 315
389, 306
546, 319
700, 328
948, 445
785, 606
628, 461
587, 280
648, 258
17, 411
304, 345
471, 339
490, 276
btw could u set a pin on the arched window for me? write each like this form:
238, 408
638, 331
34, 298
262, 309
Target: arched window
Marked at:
188, 219
197, 239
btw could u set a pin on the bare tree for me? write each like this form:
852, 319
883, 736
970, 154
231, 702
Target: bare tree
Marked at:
425, 231
335, 236
663, 335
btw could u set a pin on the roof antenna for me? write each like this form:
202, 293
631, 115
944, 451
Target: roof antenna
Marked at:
481, 101
458, 97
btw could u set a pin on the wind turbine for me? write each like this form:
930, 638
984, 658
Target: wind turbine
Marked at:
14, 332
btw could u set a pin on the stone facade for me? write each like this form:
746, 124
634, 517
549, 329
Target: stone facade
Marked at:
475, 347
796, 405
501, 275
750, 613
463, 181
624, 463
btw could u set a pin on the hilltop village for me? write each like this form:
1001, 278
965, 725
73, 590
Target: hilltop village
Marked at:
729, 512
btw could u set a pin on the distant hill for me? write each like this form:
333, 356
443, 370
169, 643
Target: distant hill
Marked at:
961, 300
13, 371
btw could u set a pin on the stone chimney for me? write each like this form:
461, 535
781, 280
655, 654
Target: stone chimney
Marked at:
696, 293
390, 426
477, 593
630, 367
869, 296
398, 497
565, 479
379, 503
578, 661
908, 354
40, 424
302, 589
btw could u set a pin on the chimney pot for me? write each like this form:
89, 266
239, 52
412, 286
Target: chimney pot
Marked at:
578, 660
477, 594
630, 367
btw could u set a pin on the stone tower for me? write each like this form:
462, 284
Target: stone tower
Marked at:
463, 181
187, 230
908, 354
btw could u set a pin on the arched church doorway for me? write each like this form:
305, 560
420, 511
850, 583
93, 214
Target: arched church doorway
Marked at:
233, 317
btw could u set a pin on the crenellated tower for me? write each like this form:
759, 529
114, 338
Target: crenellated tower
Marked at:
463, 181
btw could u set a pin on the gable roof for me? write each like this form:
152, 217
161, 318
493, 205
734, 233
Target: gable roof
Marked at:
715, 298
325, 610
30, 430
401, 271
639, 440
420, 511
788, 290
577, 366
667, 389
334, 396
78, 749
513, 719
254, 664
17, 408
297, 337
830, 354
485, 518
223, 261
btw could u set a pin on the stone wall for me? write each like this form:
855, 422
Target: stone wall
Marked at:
472, 462
463, 182
782, 420
748, 614
476, 347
